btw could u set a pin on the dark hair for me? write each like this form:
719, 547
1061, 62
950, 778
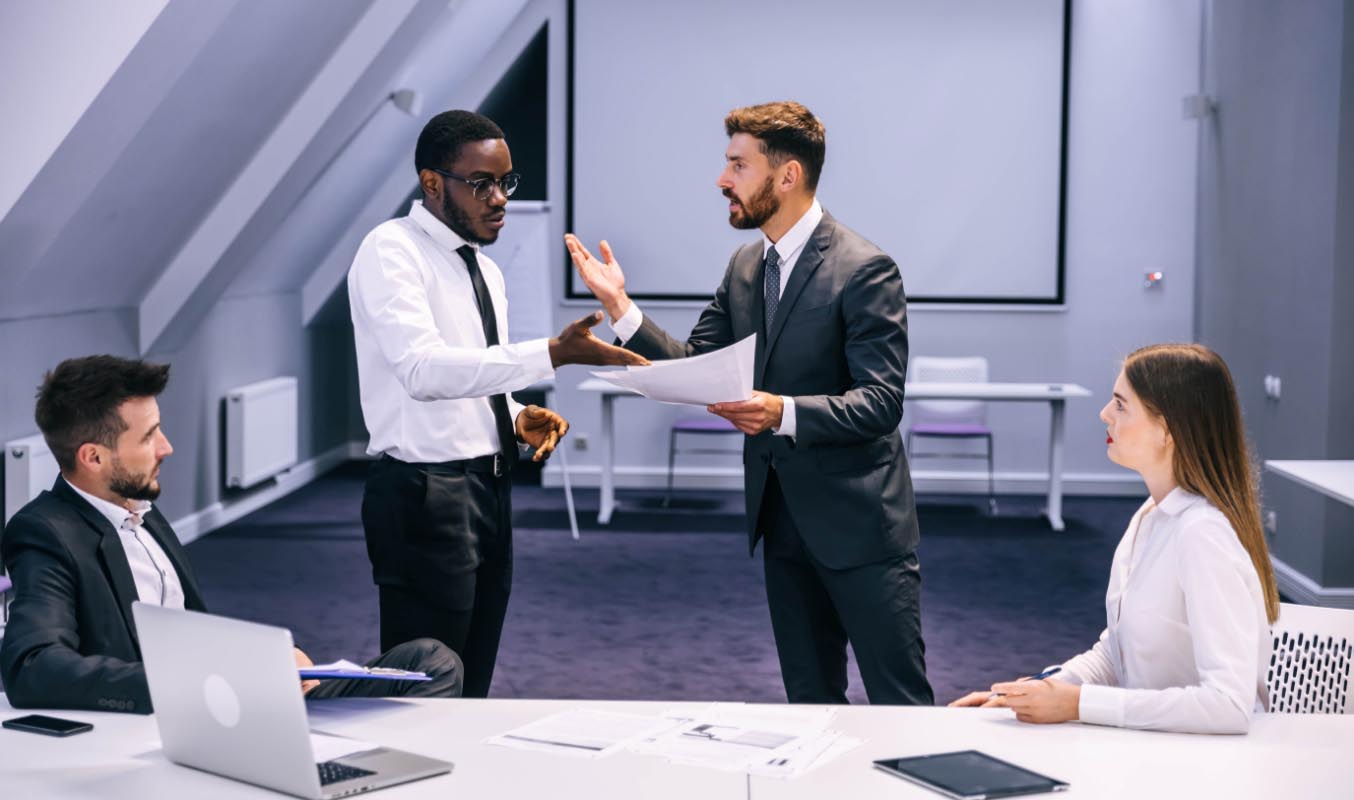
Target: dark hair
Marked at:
1190, 388
440, 142
786, 130
78, 401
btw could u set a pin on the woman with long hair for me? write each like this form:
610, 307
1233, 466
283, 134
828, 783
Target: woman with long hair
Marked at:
1191, 593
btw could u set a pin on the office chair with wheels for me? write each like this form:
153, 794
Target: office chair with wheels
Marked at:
952, 419
1312, 666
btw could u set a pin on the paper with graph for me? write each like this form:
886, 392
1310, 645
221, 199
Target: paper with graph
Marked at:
722, 376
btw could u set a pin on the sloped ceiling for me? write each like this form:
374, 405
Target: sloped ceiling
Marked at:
228, 151
124, 225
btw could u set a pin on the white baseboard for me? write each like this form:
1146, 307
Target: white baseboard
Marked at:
1308, 592
929, 481
222, 513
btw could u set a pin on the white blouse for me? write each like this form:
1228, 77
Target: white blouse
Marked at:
1187, 641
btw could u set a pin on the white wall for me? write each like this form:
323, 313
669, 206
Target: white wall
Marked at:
1130, 208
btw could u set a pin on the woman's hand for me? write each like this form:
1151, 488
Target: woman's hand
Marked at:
1043, 701
979, 700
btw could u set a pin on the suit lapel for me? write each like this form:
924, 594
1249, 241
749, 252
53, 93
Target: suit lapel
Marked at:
809, 262
169, 543
112, 555
757, 312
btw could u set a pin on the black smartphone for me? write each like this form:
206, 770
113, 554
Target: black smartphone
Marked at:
49, 726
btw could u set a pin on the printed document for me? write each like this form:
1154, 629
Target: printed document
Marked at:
583, 733
721, 376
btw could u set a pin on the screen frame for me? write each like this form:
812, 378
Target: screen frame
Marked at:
574, 292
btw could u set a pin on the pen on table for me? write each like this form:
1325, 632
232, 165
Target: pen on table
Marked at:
1045, 674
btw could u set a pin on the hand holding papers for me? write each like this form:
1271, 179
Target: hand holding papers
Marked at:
721, 376
347, 669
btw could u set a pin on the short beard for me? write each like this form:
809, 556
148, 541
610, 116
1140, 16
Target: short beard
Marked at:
459, 221
761, 207
132, 487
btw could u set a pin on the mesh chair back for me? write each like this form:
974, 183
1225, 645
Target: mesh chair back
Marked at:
934, 369
1313, 660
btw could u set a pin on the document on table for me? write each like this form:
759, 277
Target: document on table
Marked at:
328, 747
582, 733
721, 376
731, 737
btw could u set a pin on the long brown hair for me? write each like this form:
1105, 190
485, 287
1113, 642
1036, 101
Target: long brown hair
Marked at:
1190, 388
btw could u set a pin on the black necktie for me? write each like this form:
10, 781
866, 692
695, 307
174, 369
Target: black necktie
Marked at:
507, 435
771, 289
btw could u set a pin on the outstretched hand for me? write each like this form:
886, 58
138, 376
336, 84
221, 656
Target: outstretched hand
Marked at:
605, 277
542, 429
577, 345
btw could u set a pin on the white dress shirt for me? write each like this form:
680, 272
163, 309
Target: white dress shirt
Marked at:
157, 582
424, 372
789, 248
1188, 642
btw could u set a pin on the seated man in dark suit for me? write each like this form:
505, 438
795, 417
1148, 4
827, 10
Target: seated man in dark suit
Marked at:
81, 553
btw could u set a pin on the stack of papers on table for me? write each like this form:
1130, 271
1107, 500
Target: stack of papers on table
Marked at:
781, 743
721, 376
347, 669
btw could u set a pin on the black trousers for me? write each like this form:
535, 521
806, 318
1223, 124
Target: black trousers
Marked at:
420, 655
440, 541
815, 611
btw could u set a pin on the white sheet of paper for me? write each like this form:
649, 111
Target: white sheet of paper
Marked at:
721, 376
581, 733
734, 737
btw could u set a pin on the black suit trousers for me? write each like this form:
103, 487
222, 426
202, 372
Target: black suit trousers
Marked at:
440, 541
815, 611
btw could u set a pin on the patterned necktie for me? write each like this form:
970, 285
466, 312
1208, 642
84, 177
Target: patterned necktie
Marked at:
771, 289
507, 435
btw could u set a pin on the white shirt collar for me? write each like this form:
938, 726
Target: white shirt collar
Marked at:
117, 515
793, 240
436, 228
1175, 503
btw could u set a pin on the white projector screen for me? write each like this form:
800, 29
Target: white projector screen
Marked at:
945, 134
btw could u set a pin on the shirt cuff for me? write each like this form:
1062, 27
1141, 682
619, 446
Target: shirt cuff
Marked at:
535, 357
1101, 705
787, 418
628, 324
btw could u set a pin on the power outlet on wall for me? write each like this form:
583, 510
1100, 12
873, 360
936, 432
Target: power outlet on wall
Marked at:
580, 441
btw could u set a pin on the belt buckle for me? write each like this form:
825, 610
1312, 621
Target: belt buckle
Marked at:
498, 465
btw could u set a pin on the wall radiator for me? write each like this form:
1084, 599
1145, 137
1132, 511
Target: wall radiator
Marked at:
29, 469
261, 431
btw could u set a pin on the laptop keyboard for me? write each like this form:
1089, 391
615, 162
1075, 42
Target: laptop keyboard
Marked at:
333, 772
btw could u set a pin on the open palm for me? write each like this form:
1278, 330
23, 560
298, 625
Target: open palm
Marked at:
604, 277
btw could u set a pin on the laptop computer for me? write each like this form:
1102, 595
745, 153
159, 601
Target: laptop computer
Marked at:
228, 701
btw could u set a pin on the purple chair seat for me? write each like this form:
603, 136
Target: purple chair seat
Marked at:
706, 423
5, 584
951, 429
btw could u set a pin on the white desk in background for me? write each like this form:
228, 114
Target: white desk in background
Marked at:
1055, 394
1295, 756
1332, 478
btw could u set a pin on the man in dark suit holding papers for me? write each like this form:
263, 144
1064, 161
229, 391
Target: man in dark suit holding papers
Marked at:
81, 553
826, 478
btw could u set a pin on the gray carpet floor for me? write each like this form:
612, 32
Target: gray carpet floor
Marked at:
665, 603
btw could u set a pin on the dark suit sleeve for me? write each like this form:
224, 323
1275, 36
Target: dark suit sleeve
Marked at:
713, 330
40, 658
875, 313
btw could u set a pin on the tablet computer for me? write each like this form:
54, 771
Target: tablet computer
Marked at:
970, 775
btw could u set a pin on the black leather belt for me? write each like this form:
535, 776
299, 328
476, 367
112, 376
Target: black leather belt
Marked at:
495, 464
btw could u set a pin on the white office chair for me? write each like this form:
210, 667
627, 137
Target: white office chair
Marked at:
952, 419
1313, 662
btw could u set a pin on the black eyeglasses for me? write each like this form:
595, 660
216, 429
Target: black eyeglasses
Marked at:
484, 187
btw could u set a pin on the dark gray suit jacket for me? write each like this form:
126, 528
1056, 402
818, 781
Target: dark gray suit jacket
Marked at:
71, 641
839, 348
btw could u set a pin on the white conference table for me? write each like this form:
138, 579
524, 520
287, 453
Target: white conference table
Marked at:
1055, 394
1283, 756
1334, 479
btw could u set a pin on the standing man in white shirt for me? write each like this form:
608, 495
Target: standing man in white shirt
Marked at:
824, 471
435, 368
82, 553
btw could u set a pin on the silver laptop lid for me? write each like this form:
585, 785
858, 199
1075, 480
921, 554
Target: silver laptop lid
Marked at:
227, 697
